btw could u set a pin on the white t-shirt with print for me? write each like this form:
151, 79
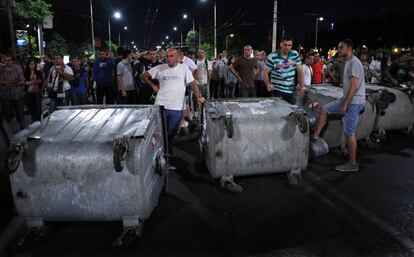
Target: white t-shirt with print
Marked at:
173, 82
203, 71
67, 70
308, 72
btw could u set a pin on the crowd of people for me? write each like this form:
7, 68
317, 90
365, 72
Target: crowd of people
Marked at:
128, 78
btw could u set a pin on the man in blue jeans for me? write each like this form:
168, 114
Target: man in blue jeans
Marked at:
173, 79
350, 105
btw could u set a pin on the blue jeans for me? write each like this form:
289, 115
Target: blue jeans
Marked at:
173, 120
350, 120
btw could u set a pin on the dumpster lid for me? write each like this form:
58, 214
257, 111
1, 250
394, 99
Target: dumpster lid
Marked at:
95, 124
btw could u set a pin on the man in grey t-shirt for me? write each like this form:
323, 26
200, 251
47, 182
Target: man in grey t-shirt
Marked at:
350, 105
126, 82
258, 79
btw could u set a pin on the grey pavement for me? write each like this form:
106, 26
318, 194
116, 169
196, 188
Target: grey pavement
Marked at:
368, 213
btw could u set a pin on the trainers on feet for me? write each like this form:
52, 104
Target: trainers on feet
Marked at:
347, 167
314, 139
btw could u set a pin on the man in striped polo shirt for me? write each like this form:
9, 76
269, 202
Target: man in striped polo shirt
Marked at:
283, 66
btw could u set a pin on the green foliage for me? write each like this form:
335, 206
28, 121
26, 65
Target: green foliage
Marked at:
33, 45
192, 41
57, 45
114, 46
80, 50
169, 45
209, 49
35, 10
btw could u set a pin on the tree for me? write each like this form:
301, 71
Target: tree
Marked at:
192, 41
80, 50
114, 46
33, 10
208, 48
57, 45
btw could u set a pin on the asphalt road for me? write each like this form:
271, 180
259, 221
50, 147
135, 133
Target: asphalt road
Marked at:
369, 213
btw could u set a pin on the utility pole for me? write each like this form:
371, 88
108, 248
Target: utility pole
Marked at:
109, 37
215, 29
92, 29
11, 28
274, 26
40, 38
199, 35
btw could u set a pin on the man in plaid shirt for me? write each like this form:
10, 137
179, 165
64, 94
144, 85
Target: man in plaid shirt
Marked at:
12, 90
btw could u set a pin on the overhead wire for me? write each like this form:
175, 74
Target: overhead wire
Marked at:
153, 21
146, 22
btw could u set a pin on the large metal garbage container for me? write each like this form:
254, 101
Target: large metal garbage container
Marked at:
91, 163
254, 136
4, 144
394, 105
317, 96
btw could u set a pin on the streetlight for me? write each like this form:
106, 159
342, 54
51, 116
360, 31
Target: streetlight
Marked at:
185, 16
117, 15
175, 28
119, 36
167, 37
316, 31
215, 26
227, 40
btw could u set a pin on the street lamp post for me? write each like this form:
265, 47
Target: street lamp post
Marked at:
227, 40
119, 37
92, 28
274, 35
125, 45
316, 31
185, 16
215, 27
117, 15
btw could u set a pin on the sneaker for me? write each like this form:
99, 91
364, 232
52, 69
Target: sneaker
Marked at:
347, 167
314, 139
195, 116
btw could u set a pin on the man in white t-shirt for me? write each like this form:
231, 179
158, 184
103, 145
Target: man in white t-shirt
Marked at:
375, 69
307, 69
204, 72
173, 78
58, 83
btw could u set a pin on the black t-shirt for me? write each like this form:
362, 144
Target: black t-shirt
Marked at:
148, 64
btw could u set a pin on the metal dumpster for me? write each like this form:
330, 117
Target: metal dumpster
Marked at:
394, 105
317, 96
4, 145
254, 136
91, 163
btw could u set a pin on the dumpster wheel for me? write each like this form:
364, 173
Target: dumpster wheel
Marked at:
119, 157
295, 178
13, 159
227, 182
125, 239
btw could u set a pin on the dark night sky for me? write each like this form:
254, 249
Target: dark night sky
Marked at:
252, 18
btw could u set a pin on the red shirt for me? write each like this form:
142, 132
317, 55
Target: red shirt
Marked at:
317, 72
